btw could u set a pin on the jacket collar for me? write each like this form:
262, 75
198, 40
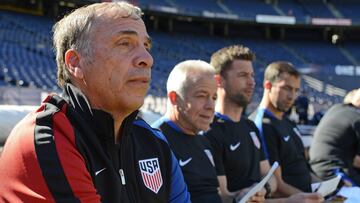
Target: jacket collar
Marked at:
100, 121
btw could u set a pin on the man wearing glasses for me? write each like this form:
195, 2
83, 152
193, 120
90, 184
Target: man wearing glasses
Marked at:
280, 137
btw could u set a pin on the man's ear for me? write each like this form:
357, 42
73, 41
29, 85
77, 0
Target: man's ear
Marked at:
72, 61
219, 80
267, 85
172, 97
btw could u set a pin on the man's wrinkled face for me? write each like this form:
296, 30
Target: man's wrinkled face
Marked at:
196, 109
118, 74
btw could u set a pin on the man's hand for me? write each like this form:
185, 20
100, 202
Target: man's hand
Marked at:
356, 162
347, 183
259, 197
305, 198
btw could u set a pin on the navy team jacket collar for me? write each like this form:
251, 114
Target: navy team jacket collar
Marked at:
166, 120
101, 122
269, 113
222, 116
171, 124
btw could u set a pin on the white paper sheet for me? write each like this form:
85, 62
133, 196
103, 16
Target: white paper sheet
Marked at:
260, 185
326, 187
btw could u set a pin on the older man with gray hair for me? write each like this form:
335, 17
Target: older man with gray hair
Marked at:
88, 145
191, 90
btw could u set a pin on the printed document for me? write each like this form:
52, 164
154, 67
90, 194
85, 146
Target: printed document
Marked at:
260, 185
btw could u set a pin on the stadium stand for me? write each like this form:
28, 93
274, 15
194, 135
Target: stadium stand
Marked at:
354, 50
147, 3
315, 8
318, 52
26, 57
26, 51
347, 8
197, 7
249, 8
291, 8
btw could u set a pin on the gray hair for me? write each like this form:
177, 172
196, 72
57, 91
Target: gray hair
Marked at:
353, 97
349, 96
184, 73
74, 32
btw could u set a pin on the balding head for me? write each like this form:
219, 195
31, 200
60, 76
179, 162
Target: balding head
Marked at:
186, 73
191, 90
353, 98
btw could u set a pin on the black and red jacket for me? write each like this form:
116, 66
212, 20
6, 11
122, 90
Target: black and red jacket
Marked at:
65, 152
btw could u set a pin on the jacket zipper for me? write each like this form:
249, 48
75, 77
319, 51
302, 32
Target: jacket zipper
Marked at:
122, 176
123, 144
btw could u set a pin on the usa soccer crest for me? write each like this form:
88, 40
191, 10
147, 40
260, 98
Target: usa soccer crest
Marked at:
151, 174
255, 139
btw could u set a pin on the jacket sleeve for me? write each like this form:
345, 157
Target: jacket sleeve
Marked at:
61, 164
354, 173
356, 128
179, 192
